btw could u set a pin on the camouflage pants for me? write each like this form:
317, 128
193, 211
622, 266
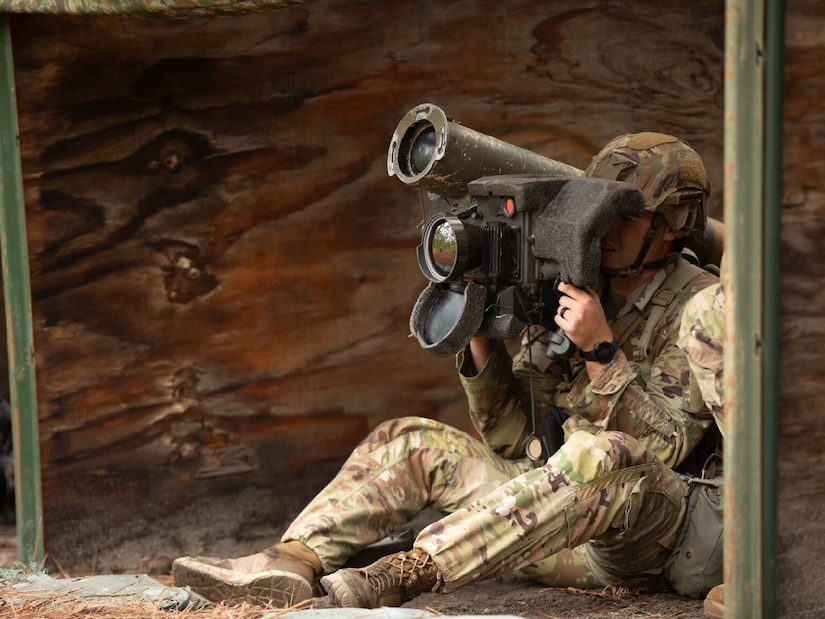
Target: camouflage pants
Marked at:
504, 514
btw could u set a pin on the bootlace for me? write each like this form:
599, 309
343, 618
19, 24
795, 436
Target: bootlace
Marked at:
398, 570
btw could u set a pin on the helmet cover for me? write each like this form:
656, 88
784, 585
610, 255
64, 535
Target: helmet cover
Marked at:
668, 172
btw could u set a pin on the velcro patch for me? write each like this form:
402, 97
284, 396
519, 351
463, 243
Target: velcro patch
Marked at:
649, 139
692, 171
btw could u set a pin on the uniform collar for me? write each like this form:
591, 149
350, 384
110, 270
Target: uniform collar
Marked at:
642, 296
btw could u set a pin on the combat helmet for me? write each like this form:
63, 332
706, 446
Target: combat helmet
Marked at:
670, 175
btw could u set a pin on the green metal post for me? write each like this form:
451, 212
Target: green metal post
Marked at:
774, 90
753, 129
17, 291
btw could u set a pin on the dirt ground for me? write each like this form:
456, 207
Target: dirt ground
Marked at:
521, 597
514, 596
524, 598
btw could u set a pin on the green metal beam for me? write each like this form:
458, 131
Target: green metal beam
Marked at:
15, 260
753, 129
743, 157
772, 195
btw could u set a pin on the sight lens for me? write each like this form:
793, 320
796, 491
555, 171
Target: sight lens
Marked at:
444, 249
448, 249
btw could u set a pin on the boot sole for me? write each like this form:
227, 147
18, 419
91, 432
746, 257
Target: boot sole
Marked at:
272, 589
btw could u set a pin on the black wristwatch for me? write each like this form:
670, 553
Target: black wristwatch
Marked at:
603, 352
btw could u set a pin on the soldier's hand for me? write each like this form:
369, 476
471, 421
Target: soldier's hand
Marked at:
581, 315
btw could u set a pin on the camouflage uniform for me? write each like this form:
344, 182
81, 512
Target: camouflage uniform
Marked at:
702, 340
603, 485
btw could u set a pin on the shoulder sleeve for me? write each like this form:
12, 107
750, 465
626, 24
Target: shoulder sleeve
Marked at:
701, 338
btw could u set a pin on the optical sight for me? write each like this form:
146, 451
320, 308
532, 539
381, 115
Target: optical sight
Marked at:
504, 226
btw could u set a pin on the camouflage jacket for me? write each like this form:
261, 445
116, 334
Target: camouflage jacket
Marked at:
646, 391
702, 340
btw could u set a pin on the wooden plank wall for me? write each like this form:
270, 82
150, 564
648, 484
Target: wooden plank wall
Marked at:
801, 539
222, 271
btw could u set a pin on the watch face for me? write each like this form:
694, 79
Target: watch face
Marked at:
604, 352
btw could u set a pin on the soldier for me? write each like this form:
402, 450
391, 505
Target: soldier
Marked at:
606, 508
702, 338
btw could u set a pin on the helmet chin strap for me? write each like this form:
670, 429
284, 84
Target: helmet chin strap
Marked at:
638, 265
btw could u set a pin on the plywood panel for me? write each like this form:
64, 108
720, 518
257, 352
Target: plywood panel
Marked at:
801, 535
222, 271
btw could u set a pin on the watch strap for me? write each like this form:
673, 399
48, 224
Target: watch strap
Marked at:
603, 351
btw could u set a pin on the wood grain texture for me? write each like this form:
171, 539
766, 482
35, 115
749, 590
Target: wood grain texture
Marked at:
801, 528
222, 271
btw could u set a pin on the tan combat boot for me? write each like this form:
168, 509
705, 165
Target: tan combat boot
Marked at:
715, 602
390, 581
279, 577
